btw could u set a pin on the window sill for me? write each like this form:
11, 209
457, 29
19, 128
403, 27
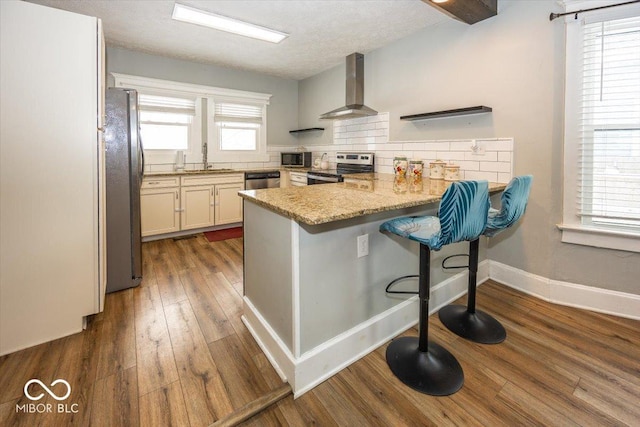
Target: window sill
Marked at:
599, 238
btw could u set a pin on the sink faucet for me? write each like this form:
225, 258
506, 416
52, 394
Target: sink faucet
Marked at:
205, 149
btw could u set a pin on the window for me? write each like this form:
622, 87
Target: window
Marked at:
228, 125
238, 126
602, 132
238, 130
165, 122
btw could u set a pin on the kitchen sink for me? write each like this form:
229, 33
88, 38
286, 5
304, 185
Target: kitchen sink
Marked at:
192, 171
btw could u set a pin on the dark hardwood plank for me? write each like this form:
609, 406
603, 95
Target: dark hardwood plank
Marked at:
118, 351
169, 285
115, 400
164, 407
179, 256
205, 393
231, 304
254, 407
609, 399
156, 366
203, 257
213, 322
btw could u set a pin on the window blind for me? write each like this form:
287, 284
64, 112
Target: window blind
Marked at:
165, 104
232, 112
609, 126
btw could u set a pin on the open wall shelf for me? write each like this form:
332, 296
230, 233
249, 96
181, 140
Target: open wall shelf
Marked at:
448, 113
305, 130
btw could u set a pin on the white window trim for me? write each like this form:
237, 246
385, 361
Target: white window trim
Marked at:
168, 87
573, 231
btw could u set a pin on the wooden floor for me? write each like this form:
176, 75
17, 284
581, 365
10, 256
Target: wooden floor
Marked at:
175, 352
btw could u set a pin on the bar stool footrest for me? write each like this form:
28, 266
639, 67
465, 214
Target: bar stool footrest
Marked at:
478, 327
435, 372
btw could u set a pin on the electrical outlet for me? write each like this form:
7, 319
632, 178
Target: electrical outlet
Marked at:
363, 245
476, 149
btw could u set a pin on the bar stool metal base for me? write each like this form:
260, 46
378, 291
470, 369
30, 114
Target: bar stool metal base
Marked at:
435, 372
478, 327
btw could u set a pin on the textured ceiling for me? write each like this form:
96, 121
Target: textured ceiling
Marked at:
322, 32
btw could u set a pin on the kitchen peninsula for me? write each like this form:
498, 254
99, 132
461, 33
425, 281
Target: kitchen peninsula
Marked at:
316, 268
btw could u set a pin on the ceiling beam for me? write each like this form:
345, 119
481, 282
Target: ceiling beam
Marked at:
468, 11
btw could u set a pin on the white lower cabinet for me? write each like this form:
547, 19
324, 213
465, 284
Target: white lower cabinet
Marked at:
172, 204
197, 207
160, 210
228, 207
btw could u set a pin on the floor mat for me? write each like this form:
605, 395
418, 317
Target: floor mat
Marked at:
228, 233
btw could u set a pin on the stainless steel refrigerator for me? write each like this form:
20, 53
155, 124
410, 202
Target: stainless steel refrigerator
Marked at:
124, 168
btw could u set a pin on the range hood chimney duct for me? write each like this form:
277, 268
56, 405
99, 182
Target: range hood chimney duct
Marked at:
354, 92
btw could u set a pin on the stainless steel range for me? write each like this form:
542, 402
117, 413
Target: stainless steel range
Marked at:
347, 163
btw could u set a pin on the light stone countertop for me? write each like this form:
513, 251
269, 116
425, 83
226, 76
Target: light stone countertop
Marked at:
358, 195
222, 171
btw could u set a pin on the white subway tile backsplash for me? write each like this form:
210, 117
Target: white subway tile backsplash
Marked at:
467, 165
504, 177
504, 156
438, 145
487, 156
495, 167
450, 155
497, 145
460, 145
478, 175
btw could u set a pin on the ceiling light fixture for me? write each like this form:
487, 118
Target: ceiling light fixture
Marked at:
439, 1
222, 23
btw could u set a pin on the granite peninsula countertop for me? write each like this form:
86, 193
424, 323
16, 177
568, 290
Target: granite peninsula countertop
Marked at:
359, 195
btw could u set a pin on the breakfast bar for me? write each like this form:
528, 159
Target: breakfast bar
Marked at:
316, 267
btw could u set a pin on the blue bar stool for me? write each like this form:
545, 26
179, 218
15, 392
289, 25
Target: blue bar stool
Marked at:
468, 322
419, 363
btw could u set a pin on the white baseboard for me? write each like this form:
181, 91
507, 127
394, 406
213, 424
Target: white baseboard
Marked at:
564, 293
276, 351
322, 362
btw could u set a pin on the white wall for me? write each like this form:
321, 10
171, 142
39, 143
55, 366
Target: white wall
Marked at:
514, 63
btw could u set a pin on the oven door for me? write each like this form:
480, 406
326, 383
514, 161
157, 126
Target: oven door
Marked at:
313, 178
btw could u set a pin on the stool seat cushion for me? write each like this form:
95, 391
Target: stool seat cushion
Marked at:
423, 229
462, 216
514, 202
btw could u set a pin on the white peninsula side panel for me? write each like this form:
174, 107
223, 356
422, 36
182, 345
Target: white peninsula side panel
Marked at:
50, 258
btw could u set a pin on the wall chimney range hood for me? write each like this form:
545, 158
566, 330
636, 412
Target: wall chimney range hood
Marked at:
354, 92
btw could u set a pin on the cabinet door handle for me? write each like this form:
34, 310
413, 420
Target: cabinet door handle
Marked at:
179, 210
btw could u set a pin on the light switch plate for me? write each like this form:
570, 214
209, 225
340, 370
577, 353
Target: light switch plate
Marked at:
363, 245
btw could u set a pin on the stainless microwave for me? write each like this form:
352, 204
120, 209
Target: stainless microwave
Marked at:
298, 159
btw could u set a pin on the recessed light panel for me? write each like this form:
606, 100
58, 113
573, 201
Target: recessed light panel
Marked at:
222, 23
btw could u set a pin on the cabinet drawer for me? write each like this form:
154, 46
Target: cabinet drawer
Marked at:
298, 178
160, 182
211, 179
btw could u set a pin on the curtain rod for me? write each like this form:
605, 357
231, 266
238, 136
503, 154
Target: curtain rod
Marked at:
558, 15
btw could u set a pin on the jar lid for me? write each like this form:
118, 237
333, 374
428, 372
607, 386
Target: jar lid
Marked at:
438, 162
416, 161
400, 157
452, 167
